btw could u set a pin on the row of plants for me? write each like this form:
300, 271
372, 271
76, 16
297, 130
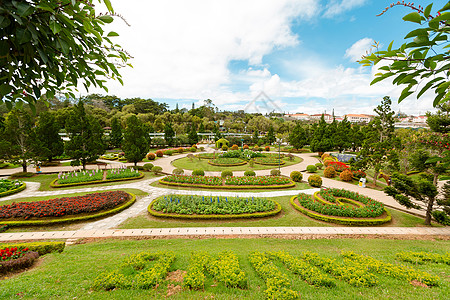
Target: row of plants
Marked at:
258, 180
228, 181
122, 172
227, 161
60, 207
395, 271
423, 257
220, 205
171, 151
81, 177
269, 160
9, 187
226, 269
139, 271
195, 276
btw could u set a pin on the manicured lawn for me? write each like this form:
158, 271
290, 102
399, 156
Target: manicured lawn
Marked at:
298, 186
193, 164
70, 274
380, 184
288, 217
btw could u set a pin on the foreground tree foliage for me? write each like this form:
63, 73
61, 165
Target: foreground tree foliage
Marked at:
135, 143
51, 46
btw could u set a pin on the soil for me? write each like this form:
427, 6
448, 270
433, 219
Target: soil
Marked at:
176, 276
9, 275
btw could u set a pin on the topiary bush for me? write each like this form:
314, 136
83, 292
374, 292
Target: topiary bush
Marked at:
202, 148
168, 152
246, 147
193, 149
315, 181
180, 150
311, 169
346, 175
198, 172
159, 153
249, 173
234, 147
226, 173
325, 155
151, 156
225, 148
156, 169
296, 176
275, 172
329, 172
178, 171
195, 146
267, 148
319, 165
147, 167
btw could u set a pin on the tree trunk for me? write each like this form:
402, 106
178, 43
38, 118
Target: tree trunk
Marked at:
135, 163
24, 165
435, 179
375, 177
429, 209
83, 161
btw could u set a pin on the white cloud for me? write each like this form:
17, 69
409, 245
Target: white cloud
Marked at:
358, 49
336, 7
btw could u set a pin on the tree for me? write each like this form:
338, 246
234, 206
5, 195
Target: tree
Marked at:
440, 121
297, 137
47, 142
342, 138
17, 141
420, 63
255, 137
62, 43
135, 142
404, 188
321, 140
116, 133
85, 135
271, 135
192, 135
384, 122
169, 134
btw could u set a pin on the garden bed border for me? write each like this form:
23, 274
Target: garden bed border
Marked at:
53, 185
13, 191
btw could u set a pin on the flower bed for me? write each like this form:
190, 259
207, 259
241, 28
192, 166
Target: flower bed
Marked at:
269, 160
258, 180
16, 259
81, 176
329, 205
227, 162
122, 172
206, 155
9, 187
195, 276
193, 180
220, 207
75, 179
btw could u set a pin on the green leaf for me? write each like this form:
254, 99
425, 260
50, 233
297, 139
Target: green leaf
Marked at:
4, 22
23, 35
55, 27
405, 93
4, 89
417, 32
106, 19
4, 48
108, 5
390, 46
64, 46
37, 92
427, 86
24, 9
413, 17
44, 6
427, 10
113, 33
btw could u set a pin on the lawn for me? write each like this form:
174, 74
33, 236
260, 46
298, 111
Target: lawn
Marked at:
70, 274
288, 217
381, 184
193, 164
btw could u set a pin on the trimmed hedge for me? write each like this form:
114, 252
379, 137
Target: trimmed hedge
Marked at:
13, 191
53, 185
296, 176
338, 220
72, 218
227, 165
224, 217
40, 247
228, 187
270, 164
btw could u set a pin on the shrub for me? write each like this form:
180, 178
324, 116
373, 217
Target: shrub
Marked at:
441, 217
180, 150
156, 169
329, 172
260, 149
315, 181
193, 149
20, 263
327, 159
275, 172
267, 148
358, 174
319, 165
168, 152
159, 153
195, 146
198, 172
346, 175
151, 156
255, 148
202, 148
21, 174
225, 148
311, 169
327, 162
325, 155
178, 171
234, 147
226, 173
338, 166
249, 173
296, 176
246, 147
147, 167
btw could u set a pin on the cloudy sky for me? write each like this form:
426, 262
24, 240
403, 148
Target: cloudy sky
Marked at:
301, 53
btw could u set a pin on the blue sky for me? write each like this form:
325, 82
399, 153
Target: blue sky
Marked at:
300, 53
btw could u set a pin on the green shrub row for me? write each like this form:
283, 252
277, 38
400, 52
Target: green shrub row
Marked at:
40, 247
13, 191
230, 216
270, 164
424, 257
195, 276
72, 219
232, 187
277, 283
54, 185
349, 272
343, 221
395, 271
227, 165
226, 269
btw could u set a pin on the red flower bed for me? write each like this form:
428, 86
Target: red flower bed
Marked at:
12, 253
338, 166
63, 206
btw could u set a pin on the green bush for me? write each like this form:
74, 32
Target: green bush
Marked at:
148, 166
249, 173
178, 171
198, 172
21, 174
275, 172
315, 181
225, 148
168, 152
311, 169
39, 247
193, 149
159, 153
156, 169
346, 175
441, 217
296, 176
226, 173
202, 148
319, 165
329, 172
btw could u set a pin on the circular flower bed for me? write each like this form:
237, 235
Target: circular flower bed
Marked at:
64, 209
227, 162
220, 207
269, 160
342, 207
9, 187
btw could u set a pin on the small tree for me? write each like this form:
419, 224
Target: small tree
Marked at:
116, 133
404, 188
135, 143
271, 135
169, 134
47, 142
297, 137
321, 140
342, 138
255, 137
192, 136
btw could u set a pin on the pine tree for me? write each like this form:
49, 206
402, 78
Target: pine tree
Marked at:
116, 133
192, 135
135, 142
297, 137
47, 142
169, 134
321, 140
271, 135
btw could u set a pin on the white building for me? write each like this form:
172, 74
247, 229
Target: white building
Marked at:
301, 117
358, 118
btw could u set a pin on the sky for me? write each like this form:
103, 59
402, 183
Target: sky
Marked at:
298, 56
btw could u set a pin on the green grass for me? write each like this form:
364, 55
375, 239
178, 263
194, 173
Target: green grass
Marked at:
70, 274
298, 186
288, 217
193, 164
380, 184
45, 180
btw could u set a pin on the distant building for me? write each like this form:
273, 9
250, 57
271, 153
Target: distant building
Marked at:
328, 118
419, 119
358, 118
302, 117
